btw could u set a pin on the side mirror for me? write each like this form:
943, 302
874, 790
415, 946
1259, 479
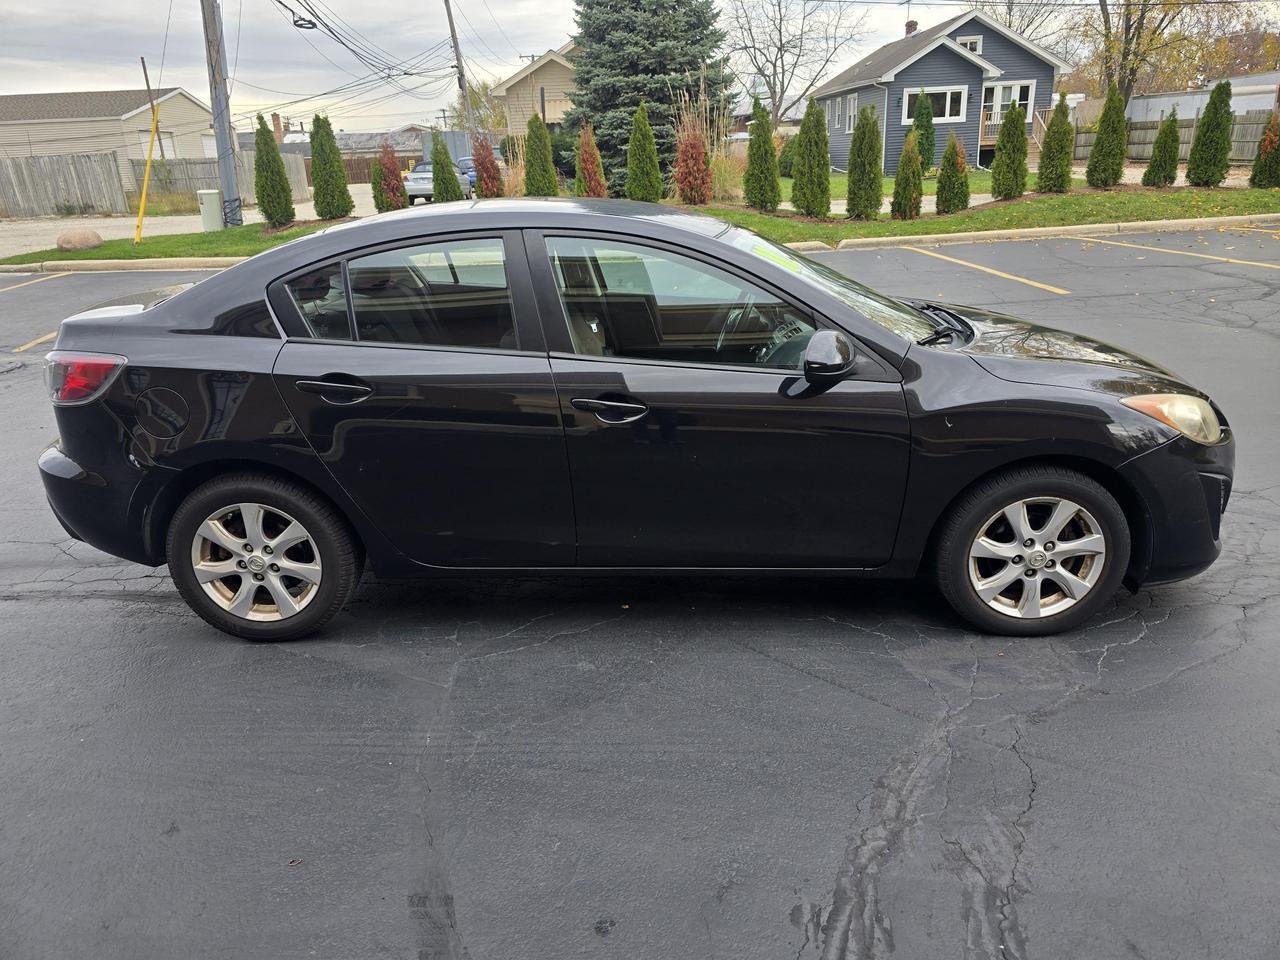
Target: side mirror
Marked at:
829, 358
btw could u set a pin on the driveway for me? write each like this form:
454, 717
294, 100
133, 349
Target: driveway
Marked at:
655, 769
21, 236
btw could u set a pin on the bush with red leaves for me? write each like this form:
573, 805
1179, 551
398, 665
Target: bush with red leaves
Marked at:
693, 173
488, 176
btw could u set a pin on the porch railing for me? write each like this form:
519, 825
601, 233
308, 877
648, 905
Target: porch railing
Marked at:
989, 129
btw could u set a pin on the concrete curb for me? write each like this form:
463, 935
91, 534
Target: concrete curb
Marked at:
154, 263
1032, 233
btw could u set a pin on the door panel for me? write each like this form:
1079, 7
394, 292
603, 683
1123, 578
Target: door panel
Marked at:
725, 469
458, 456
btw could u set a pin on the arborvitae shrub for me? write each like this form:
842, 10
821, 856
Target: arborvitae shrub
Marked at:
922, 126
488, 175
445, 185
588, 180
1266, 165
1162, 170
539, 172
692, 174
953, 178
1211, 149
1054, 175
328, 175
866, 190
811, 186
760, 187
1009, 168
787, 157
644, 178
1106, 159
908, 183
270, 182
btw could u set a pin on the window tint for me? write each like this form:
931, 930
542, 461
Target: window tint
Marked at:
451, 294
322, 301
624, 300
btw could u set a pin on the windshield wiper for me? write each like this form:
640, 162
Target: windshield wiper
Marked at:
942, 333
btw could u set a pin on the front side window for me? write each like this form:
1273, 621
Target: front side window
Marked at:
449, 294
948, 104
322, 300
627, 300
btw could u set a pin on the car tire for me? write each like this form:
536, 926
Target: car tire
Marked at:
314, 541
1006, 583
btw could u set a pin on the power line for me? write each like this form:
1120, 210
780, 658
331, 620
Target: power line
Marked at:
164, 47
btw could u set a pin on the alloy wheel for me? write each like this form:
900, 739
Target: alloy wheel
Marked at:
256, 562
1037, 557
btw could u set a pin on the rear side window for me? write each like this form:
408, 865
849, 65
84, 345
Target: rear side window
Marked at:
449, 294
322, 301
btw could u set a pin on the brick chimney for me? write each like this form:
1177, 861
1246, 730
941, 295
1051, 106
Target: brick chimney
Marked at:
911, 27
275, 128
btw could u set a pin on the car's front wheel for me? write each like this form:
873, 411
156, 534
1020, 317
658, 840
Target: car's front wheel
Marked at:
262, 558
1032, 551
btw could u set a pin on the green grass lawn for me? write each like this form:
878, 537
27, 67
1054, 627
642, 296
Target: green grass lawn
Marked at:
233, 242
979, 182
1035, 210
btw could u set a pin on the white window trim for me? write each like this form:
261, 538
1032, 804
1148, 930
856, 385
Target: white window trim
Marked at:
826, 108
964, 40
907, 119
851, 110
1031, 99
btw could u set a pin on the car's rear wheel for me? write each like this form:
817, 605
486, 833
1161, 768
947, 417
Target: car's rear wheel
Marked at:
262, 558
1032, 551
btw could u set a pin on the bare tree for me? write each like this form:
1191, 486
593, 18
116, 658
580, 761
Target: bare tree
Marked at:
1131, 34
1044, 22
789, 45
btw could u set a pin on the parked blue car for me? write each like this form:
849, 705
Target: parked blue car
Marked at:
467, 165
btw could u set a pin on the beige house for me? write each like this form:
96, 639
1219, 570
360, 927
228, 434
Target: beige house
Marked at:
103, 121
540, 87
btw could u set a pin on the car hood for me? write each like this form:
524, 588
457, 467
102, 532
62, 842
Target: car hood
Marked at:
1023, 352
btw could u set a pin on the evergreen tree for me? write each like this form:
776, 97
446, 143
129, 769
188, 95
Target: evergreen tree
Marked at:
908, 183
922, 126
1009, 168
866, 191
270, 182
1162, 170
328, 175
588, 180
760, 187
1211, 148
1106, 159
787, 157
488, 176
539, 171
375, 183
1054, 175
634, 51
644, 179
1266, 165
444, 175
811, 189
953, 178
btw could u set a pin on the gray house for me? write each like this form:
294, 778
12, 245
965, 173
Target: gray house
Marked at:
972, 67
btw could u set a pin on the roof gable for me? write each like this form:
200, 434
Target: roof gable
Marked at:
1011, 35
551, 56
82, 105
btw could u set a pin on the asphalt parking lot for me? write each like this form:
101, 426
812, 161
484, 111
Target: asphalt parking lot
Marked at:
665, 769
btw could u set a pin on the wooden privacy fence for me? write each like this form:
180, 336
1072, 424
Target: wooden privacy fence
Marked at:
74, 184
188, 176
360, 169
1246, 131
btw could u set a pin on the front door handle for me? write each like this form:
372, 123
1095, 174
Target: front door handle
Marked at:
611, 411
335, 391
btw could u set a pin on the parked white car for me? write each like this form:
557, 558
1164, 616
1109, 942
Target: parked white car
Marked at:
421, 182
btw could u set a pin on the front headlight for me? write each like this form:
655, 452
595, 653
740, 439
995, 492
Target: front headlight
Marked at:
1190, 416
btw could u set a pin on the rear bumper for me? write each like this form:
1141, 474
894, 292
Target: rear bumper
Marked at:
1185, 487
418, 189
92, 509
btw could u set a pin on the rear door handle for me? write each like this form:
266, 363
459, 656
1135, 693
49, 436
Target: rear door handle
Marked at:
611, 411
335, 391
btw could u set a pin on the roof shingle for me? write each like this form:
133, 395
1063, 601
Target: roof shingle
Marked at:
878, 62
69, 106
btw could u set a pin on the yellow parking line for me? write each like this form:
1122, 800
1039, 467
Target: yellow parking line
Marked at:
25, 283
1273, 230
36, 342
1185, 253
998, 273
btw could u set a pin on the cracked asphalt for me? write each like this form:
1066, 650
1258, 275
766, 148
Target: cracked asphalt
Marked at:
665, 769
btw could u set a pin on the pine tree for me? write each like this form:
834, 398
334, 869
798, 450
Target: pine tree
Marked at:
1211, 149
866, 191
922, 126
539, 172
375, 184
633, 51
908, 183
1009, 168
1266, 165
760, 187
811, 188
953, 178
270, 182
1106, 159
588, 180
1054, 175
445, 186
644, 179
692, 174
1162, 169
328, 175
787, 157
488, 176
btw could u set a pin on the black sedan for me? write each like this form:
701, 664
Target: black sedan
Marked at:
594, 387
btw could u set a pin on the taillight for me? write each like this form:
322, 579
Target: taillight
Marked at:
74, 377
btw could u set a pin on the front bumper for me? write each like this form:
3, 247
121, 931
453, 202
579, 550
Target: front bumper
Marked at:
1185, 487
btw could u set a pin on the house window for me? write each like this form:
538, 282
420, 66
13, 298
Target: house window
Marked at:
826, 109
851, 113
839, 112
971, 43
997, 98
949, 103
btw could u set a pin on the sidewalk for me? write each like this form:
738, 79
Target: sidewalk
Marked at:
20, 236
927, 204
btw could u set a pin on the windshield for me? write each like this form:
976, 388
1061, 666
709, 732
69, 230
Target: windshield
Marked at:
905, 321
422, 166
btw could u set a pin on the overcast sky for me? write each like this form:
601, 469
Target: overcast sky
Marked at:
65, 45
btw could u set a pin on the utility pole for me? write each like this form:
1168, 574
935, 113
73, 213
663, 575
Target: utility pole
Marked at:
216, 57
462, 74
152, 100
